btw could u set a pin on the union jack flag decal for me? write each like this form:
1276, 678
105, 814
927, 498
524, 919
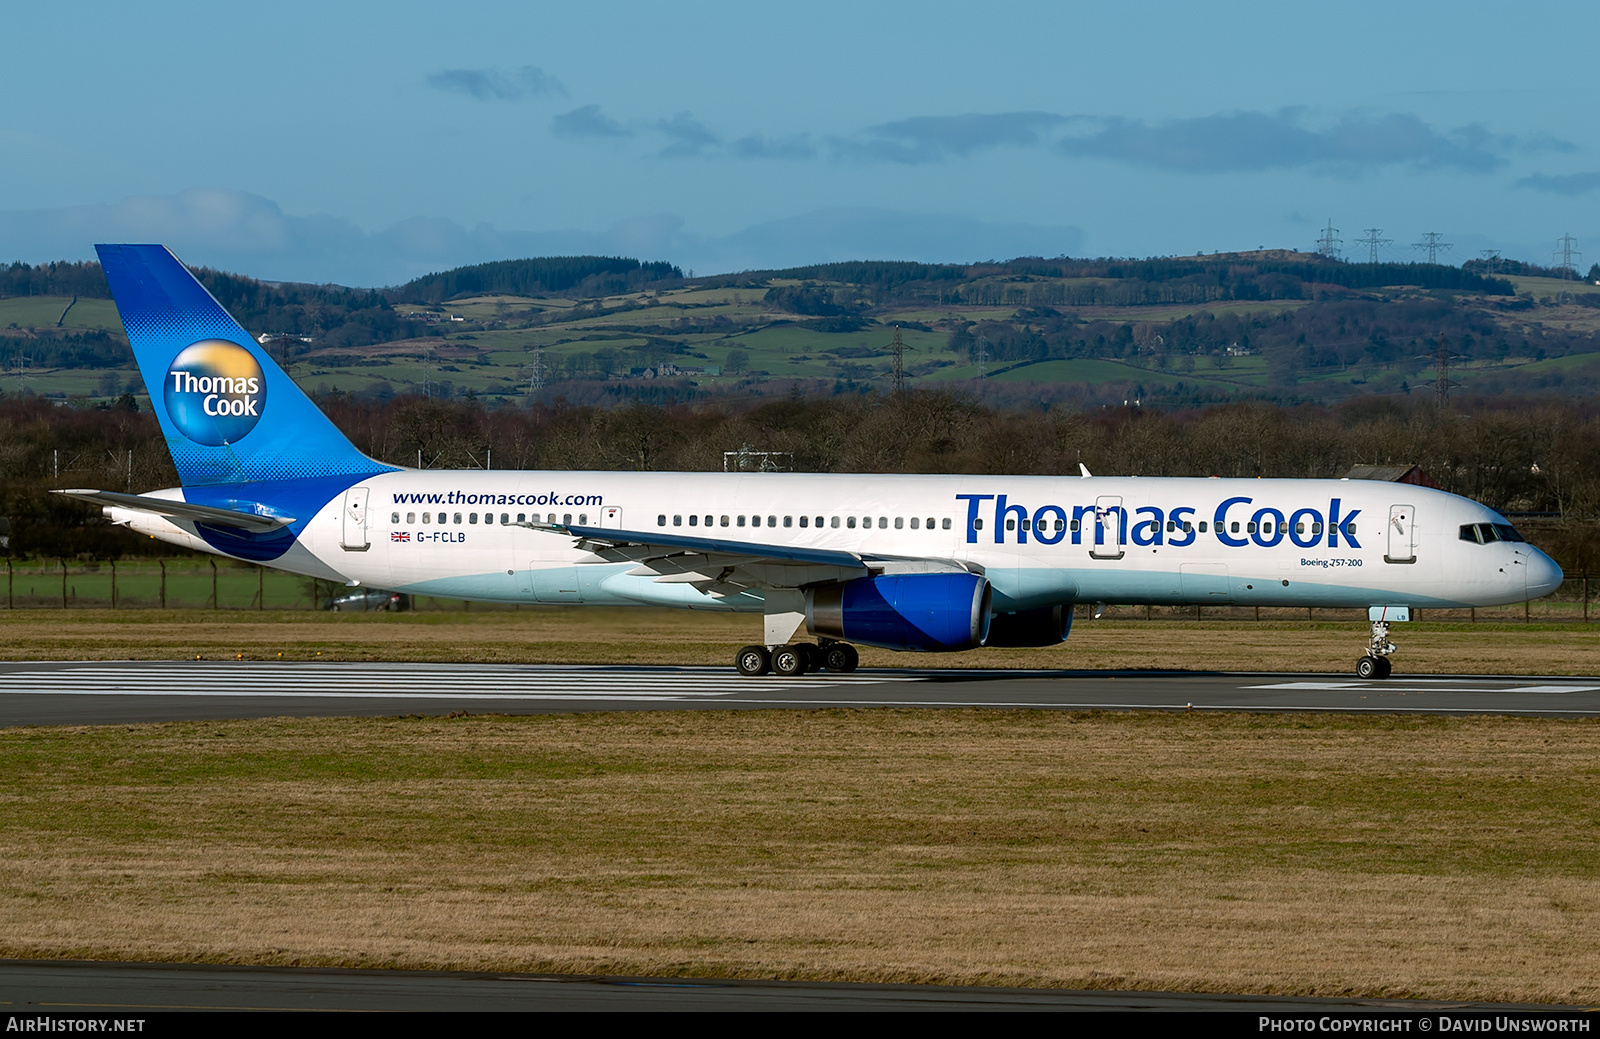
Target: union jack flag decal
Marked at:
400, 535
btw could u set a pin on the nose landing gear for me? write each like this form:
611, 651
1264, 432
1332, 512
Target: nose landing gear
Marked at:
1376, 663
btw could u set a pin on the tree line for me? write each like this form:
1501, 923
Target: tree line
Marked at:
1517, 456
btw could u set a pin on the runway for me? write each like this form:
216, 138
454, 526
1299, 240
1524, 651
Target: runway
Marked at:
78, 987
122, 692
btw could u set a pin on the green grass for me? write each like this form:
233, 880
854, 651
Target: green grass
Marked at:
44, 311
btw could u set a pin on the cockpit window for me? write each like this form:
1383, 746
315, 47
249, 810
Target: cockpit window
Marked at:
1489, 533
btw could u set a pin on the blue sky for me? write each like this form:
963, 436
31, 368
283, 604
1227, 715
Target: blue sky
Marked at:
367, 144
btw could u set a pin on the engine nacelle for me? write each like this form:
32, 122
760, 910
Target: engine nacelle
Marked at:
1046, 626
919, 612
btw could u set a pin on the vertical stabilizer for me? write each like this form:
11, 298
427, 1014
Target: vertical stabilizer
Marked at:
229, 413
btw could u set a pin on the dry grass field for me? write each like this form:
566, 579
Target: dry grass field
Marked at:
1432, 857
554, 635
1429, 857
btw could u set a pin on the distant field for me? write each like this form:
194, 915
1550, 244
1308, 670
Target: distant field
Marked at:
44, 311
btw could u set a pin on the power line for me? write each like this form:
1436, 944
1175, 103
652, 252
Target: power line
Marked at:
1430, 242
1328, 244
897, 352
1565, 253
1372, 241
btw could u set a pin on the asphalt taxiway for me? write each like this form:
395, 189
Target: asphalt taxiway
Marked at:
93, 988
123, 692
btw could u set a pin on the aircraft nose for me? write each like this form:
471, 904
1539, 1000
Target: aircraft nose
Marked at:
1544, 576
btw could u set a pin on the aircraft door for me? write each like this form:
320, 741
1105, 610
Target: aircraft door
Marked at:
354, 532
1402, 535
1110, 528
611, 517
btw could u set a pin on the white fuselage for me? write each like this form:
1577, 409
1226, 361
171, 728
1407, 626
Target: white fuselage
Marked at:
1039, 540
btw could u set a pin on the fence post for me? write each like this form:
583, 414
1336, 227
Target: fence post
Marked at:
11, 601
213, 563
63, 583
1585, 595
261, 588
163, 563
113, 584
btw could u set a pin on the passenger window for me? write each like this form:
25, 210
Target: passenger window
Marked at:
488, 517
1249, 528
945, 524
883, 522
583, 520
677, 521
1075, 525
805, 520
899, 523
522, 517
1202, 526
913, 522
741, 521
1352, 529
1061, 524
1172, 526
708, 521
694, 521
834, 523
725, 522
819, 522
394, 517
505, 517
661, 520
977, 524
472, 518
458, 519
411, 517
788, 521
850, 522
424, 517
1188, 528
1299, 528
1236, 526
1316, 528
551, 519
772, 521
1011, 524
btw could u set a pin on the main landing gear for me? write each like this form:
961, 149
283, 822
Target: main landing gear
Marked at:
1376, 663
795, 660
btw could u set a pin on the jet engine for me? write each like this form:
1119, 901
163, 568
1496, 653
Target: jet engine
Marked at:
918, 612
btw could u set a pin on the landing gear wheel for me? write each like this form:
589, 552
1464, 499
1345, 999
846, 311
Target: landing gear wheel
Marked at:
811, 656
1373, 667
789, 661
752, 661
840, 656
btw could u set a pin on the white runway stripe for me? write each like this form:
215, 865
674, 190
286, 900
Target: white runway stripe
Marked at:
359, 681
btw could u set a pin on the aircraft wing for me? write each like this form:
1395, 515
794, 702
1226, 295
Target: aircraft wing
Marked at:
181, 509
725, 566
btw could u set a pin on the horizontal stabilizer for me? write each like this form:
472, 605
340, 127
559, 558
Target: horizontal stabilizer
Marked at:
181, 509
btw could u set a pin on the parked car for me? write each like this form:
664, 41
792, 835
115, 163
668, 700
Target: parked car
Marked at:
368, 599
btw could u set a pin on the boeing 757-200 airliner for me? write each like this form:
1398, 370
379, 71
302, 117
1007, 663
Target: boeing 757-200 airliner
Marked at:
920, 563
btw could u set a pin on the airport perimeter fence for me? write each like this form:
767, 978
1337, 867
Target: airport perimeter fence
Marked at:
192, 583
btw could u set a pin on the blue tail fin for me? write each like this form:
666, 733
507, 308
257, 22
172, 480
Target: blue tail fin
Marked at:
229, 413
